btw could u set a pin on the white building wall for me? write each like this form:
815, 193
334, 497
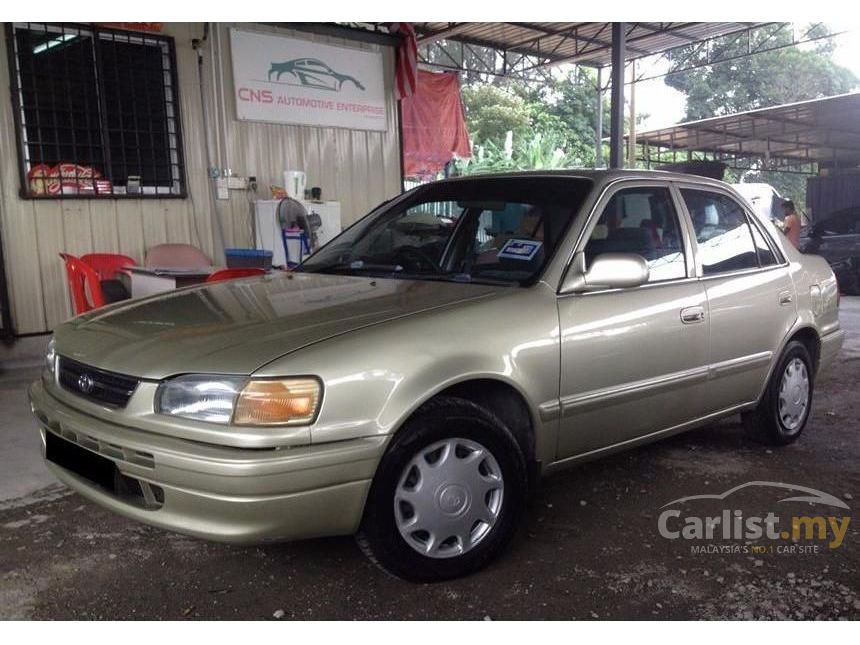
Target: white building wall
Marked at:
358, 168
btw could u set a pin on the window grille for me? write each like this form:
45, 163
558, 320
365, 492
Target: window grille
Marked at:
96, 110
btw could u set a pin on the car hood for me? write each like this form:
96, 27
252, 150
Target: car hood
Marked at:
236, 327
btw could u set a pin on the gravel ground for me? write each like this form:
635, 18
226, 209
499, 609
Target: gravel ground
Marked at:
590, 548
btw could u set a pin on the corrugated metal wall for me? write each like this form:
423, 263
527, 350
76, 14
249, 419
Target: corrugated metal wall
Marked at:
360, 169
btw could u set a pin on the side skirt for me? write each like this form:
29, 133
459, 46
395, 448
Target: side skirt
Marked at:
567, 462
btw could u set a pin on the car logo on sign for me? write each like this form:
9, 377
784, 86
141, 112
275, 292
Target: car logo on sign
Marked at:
86, 383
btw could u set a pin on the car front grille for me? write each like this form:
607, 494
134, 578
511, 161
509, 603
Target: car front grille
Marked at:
100, 386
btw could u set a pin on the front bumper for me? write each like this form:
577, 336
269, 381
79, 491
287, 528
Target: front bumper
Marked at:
220, 493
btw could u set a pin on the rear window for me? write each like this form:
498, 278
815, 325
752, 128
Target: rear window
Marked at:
722, 231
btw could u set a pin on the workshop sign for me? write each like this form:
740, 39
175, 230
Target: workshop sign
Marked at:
289, 80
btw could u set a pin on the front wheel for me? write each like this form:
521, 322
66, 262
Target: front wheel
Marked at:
448, 494
782, 413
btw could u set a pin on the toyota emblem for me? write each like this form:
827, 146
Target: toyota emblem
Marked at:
86, 383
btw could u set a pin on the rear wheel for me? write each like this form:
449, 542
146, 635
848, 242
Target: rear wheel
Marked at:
448, 494
784, 409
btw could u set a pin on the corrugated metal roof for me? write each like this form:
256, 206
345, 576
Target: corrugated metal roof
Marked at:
826, 129
587, 43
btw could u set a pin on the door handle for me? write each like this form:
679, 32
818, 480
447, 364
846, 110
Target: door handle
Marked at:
691, 315
785, 297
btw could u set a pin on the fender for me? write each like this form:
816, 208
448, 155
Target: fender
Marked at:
817, 305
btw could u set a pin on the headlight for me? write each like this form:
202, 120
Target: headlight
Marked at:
51, 356
239, 400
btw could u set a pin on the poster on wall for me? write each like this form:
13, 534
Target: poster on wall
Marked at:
288, 80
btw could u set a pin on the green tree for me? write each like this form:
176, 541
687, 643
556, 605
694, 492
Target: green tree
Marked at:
763, 79
568, 108
492, 111
552, 125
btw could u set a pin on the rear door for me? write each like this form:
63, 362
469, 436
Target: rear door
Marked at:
633, 361
750, 295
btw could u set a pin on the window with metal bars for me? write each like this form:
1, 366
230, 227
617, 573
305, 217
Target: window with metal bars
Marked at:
97, 112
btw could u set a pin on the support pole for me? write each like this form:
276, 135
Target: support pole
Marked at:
598, 126
631, 139
616, 129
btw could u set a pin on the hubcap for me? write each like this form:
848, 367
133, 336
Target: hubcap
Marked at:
793, 394
448, 498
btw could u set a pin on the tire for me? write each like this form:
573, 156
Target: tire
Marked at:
450, 431
776, 426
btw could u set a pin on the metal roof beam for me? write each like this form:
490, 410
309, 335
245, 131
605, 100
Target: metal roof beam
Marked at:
452, 29
807, 126
602, 44
717, 146
671, 31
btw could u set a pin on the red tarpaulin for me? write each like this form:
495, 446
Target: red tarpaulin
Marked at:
434, 130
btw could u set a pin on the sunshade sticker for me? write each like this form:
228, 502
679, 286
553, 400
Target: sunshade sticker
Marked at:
515, 249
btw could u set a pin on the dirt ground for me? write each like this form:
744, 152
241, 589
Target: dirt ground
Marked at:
589, 549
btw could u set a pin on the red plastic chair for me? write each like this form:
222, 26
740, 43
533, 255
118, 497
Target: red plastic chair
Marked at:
107, 265
83, 277
231, 274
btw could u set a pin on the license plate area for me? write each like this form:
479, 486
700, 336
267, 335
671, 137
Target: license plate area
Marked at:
84, 463
102, 472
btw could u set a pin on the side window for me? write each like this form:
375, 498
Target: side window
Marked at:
722, 232
642, 221
766, 257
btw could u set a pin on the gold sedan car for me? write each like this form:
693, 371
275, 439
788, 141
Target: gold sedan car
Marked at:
411, 380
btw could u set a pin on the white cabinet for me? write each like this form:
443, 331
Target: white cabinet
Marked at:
268, 229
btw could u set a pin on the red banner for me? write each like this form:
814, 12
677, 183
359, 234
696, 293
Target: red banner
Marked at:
434, 127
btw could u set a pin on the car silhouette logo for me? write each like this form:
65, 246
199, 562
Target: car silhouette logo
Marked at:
806, 494
86, 383
311, 72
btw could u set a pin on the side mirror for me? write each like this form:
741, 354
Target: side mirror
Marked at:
607, 271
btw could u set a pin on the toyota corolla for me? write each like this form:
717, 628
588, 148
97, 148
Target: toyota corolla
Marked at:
413, 378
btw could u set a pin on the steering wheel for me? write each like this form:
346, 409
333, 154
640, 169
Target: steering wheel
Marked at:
417, 259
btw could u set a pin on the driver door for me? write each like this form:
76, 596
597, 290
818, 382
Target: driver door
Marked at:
633, 361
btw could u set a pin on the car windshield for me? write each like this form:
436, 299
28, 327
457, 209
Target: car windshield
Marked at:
500, 230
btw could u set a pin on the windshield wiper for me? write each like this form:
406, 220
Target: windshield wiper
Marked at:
397, 271
468, 279
356, 266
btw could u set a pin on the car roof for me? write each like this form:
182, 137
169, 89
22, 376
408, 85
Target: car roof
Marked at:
598, 176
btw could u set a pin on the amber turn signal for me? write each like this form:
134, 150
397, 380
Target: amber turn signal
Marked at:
277, 402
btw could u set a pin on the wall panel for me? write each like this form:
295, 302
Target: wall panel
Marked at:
360, 169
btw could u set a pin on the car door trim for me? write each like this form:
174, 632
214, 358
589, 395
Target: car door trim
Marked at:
632, 391
647, 438
635, 390
740, 364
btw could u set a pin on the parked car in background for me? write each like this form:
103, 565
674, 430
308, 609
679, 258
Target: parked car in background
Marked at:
416, 375
837, 239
